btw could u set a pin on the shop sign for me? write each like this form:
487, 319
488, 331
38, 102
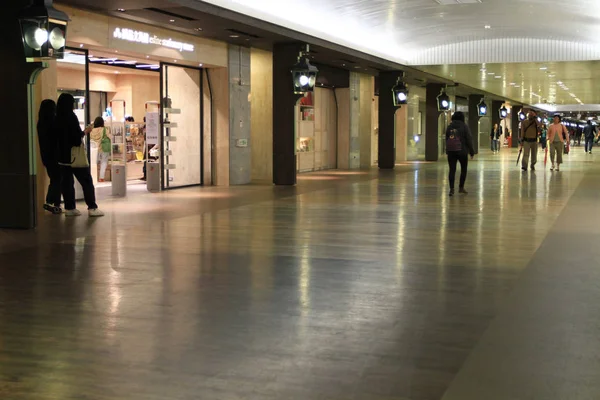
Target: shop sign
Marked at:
152, 128
145, 38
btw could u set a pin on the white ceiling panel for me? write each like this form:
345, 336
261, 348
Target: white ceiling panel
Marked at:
401, 30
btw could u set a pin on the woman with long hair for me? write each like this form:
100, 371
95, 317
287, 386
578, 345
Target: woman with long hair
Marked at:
70, 135
98, 135
49, 152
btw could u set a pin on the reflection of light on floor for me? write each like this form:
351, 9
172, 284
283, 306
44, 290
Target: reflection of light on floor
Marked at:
317, 178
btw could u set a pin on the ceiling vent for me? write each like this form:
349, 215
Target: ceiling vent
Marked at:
456, 2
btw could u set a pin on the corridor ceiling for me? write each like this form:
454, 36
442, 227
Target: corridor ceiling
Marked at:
400, 30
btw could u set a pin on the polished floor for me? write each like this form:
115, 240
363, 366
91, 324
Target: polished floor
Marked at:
352, 285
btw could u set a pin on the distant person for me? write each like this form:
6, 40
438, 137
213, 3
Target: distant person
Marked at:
103, 138
544, 136
49, 152
529, 137
495, 138
590, 134
557, 136
70, 135
459, 145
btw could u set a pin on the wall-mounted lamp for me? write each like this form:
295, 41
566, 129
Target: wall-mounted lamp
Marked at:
443, 101
482, 108
522, 116
503, 112
400, 92
44, 31
304, 74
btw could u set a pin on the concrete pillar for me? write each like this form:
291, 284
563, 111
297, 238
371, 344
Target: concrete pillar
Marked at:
473, 122
354, 140
431, 122
240, 152
18, 151
387, 120
515, 125
284, 101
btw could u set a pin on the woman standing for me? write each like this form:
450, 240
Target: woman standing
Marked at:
49, 149
459, 145
557, 136
70, 135
103, 138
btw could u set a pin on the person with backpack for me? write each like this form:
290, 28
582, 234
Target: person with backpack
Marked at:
459, 145
530, 129
590, 134
103, 138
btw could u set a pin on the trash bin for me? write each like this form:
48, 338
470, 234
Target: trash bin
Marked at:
119, 180
153, 176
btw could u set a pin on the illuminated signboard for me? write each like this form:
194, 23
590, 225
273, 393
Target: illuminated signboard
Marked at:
145, 38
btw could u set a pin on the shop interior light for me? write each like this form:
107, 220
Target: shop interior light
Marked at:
443, 101
503, 112
304, 74
44, 31
400, 92
482, 108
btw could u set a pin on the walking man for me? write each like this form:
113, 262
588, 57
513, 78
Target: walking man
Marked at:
590, 134
530, 129
557, 136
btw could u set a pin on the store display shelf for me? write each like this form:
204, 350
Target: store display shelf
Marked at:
171, 125
172, 111
170, 138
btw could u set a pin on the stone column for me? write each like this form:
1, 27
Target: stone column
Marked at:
18, 151
431, 122
387, 129
284, 102
240, 152
473, 122
515, 125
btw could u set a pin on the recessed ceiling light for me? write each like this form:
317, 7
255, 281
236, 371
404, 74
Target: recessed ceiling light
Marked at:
497, 77
559, 82
200, 64
174, 60
171, 20
116, 72
234, 36
121, 9
198, 29
147, 56
491, 73
483, 69
517, 86
543, 68
512, 84
81, 46
488, 27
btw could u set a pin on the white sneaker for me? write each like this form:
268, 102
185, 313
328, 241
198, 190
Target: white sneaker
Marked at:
552, 167
72, 213
95, 213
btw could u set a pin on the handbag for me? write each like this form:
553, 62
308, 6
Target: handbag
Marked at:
79, 157
105, 144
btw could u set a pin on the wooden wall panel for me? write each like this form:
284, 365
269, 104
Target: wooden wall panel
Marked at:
261, 114
343, 145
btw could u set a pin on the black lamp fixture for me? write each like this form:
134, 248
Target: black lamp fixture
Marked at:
443, 101
304, 74
522, 116
400, 92
503, 112
482, 108
44, 31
